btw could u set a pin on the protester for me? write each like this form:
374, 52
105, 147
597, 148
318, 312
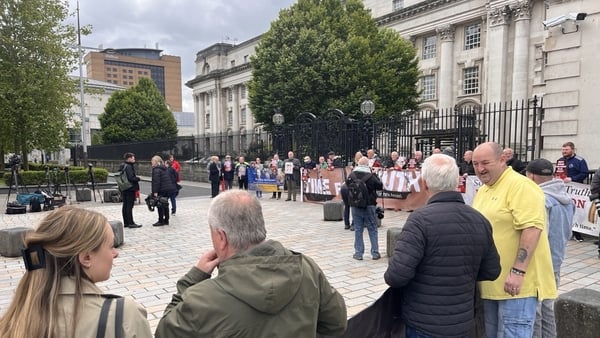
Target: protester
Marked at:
70, 251
559, 218
577, 171
415, 161
291, 167
374, 161
128, 196
512, 161
335, 160
258, 167
162, 187
276, 166
214, 175
241, 171
444, 248
365, 217
228, 171
174, 177
514, 205
262, 289
466, 165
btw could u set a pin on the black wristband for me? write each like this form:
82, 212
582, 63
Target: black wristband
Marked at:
517, 271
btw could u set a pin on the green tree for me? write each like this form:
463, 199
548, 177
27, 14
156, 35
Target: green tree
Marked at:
36, 92
322, 54
139, 113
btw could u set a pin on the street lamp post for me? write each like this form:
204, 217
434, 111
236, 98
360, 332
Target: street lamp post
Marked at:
84, 125
367, 108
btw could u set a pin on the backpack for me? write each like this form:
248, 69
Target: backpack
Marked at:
35, 205
358, 194
122, 180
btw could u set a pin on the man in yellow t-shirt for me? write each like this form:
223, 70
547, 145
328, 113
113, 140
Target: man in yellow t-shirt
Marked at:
515, 207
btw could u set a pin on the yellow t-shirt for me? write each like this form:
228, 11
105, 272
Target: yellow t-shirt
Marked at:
512, 204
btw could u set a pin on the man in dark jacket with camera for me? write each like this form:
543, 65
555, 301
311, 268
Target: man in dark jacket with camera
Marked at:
128, 195
365, 216
445, 247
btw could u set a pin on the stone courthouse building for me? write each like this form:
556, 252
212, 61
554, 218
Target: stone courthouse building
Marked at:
471, 52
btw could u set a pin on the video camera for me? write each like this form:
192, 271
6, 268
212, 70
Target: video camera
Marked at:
380, 212
14, 160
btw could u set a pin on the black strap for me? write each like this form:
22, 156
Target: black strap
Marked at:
119, 318
103, 316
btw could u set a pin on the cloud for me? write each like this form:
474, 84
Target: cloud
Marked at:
179, 27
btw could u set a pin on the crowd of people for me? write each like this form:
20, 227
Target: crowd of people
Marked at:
505, 252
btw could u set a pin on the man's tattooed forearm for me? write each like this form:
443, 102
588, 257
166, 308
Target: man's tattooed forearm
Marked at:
522, 255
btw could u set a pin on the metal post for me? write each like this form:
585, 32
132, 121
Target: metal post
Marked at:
84, 125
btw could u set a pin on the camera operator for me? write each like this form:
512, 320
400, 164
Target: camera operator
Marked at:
365, 217
595, 196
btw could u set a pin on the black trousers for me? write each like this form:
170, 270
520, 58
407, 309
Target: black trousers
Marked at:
214, 188
127, 208
163, 210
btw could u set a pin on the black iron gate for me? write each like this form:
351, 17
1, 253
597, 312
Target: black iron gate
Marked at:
513, 124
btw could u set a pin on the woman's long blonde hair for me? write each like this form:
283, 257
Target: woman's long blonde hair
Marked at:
63, 234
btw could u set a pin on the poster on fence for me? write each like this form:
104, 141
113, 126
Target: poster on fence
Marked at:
402, 191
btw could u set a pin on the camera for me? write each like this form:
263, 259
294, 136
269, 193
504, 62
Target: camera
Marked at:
151, 202
558, 20
14, 160
379, 211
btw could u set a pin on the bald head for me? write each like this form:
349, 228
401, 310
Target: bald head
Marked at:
488, 162
363, 161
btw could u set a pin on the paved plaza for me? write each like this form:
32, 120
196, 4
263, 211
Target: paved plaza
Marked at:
154, 258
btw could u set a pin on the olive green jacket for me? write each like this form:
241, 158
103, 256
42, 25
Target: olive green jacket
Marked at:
267, 291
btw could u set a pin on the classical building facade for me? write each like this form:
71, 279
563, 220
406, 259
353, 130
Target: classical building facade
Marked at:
471, 52
124, 67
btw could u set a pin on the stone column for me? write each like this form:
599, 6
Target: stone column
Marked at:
497, 45
446, 36
236, 108
521, 15
200, 109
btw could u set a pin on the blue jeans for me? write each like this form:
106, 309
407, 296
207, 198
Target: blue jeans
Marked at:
173, 202
509, 318
545, 322
365, 217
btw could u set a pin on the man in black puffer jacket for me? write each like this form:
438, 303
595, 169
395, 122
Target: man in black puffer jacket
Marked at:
162, 186
445, 247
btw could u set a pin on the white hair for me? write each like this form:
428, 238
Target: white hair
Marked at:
440, 172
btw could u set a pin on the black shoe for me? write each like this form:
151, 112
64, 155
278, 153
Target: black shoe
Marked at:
173, 212
346, 227
288, 200
357, 257
158, 224
126, 226
134, 225
376, 257
352, 228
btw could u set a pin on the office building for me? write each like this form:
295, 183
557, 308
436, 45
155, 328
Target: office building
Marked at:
124, 67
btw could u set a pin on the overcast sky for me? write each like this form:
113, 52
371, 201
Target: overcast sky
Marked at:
180, 27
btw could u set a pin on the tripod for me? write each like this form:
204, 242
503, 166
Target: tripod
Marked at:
15, 180
68, 182
92, 180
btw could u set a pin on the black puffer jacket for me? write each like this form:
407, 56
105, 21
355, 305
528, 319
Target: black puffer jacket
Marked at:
161, 181
443, 249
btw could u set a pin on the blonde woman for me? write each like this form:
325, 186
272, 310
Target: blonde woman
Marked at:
71, 250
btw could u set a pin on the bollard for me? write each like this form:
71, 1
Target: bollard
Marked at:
577, 313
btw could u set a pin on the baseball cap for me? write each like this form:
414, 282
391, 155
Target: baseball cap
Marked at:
540, 167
